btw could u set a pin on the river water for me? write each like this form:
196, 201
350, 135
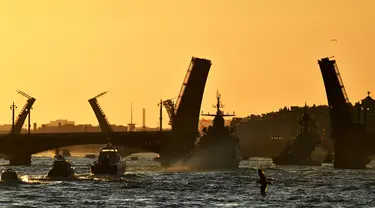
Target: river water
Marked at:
146, 184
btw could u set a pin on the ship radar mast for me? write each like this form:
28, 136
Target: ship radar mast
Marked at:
218, 106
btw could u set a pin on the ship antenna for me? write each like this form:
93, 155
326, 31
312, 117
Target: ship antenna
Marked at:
218, 105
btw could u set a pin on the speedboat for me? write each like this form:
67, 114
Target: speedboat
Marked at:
10, 175
61, 168
109, 162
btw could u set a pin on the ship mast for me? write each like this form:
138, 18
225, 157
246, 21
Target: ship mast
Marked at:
218, 106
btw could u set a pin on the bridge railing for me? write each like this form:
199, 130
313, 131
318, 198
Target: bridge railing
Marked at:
187, 76
341, 82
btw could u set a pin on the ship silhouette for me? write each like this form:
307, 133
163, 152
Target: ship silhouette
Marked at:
217, 148
306, 149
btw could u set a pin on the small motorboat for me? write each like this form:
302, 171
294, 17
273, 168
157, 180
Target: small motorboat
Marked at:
61, 168
10, 175
109, 162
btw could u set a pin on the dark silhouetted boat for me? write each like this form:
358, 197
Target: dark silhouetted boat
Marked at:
109, 162
306, 149
218, 148
61, 168
10, 175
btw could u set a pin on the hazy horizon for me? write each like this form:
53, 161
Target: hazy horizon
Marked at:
264, 55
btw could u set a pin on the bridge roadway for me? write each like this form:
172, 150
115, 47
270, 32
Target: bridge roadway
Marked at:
149, 141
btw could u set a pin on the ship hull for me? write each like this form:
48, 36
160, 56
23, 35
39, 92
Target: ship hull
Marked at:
216, 158
316, 159
61, 173
113, 169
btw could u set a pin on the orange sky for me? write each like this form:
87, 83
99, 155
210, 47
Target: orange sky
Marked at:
264, 53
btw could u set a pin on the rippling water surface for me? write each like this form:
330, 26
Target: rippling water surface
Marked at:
147, 185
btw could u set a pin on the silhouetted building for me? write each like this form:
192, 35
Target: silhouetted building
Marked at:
60, 122
365, 112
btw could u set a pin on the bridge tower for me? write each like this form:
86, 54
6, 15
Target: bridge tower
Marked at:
184, 114
100, 116
349, 137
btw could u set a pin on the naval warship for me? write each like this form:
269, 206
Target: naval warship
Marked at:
306, 149
217, 147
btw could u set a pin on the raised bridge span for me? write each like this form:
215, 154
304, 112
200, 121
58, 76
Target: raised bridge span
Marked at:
353, 145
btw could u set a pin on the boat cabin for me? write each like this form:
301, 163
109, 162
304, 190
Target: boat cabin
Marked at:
109, 153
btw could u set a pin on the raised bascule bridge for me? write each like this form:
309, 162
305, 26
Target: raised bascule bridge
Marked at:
352, 144
24, 113
170, 145
104, 124
107, 130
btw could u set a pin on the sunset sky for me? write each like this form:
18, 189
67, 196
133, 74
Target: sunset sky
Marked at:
264, 54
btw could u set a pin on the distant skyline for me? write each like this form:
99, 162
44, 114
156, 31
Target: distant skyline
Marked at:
264, 54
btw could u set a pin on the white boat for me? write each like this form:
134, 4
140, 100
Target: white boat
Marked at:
109, 162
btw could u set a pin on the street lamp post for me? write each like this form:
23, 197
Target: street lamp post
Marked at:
29, 120
161, 115
13, 107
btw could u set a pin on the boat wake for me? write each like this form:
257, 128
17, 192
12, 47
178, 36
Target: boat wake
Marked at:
80, 177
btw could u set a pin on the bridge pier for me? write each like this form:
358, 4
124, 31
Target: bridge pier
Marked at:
350, 152
347, 158
21, 159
